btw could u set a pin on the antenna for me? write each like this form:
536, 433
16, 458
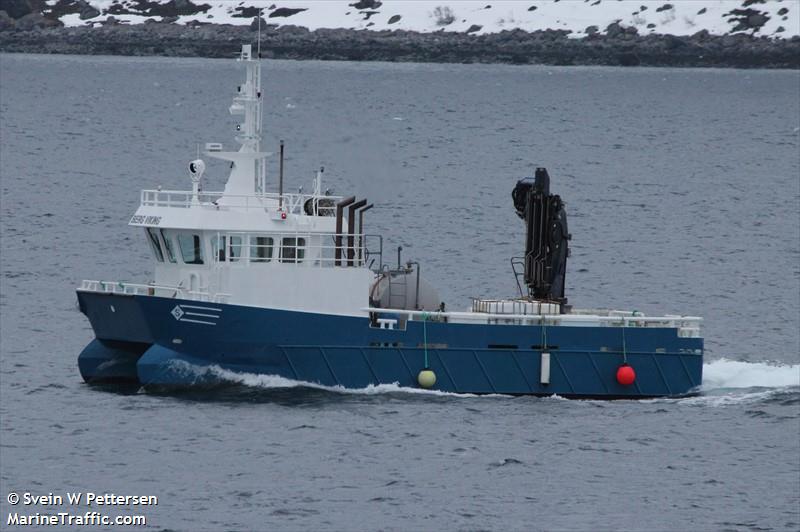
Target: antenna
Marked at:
318, 181
260, 14
280, 180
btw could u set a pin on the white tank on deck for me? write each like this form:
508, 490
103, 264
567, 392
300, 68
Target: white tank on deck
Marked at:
397, 289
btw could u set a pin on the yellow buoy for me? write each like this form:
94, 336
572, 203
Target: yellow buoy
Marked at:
426, 378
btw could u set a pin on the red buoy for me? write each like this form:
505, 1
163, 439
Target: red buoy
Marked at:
626, 375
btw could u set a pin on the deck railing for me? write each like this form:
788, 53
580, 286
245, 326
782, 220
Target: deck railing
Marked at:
297, 247
688, 326
292, 203
138, 289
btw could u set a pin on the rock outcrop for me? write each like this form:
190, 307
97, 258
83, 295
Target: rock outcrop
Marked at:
618, 46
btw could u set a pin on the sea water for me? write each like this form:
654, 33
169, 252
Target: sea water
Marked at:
683, 193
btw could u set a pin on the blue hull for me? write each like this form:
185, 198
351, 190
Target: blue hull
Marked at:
111, 361
179, 343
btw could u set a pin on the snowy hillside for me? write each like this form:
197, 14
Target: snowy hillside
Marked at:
774, 18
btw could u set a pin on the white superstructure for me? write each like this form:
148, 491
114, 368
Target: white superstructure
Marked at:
246, 246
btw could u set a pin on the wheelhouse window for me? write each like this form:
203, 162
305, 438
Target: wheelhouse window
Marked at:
170, 251
218, 248
261, 248
293, 249
234, 248
222, 252
191, 248
152, 237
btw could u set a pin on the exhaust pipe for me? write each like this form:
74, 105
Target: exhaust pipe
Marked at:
361, 230
351, 229
338, 238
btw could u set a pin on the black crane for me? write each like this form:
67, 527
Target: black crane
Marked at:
546, 239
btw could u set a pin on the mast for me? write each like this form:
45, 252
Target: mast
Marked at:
247, 102
248, 171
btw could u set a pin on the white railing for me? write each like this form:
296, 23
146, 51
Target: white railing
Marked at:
688, 326
138, 289
292, 203
302, 248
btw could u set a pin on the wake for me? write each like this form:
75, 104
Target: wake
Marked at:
724, 381
728, 374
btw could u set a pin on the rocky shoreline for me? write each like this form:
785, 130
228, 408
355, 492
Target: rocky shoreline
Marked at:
616, 45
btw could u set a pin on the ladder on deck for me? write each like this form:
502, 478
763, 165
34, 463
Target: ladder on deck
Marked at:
398, 290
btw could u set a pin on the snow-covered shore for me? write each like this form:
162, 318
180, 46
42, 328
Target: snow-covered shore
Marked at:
774, 18
717, 33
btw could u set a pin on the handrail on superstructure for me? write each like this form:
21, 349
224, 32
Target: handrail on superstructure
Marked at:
362, 252
292, 203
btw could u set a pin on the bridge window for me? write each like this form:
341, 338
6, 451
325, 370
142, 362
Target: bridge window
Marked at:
293, 249
170, 251
191, 248
217, 250
234, 248
261, 248
154, 243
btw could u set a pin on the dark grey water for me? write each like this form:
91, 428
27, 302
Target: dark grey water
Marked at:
683, 188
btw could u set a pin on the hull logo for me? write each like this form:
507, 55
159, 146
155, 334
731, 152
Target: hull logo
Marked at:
196, 314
